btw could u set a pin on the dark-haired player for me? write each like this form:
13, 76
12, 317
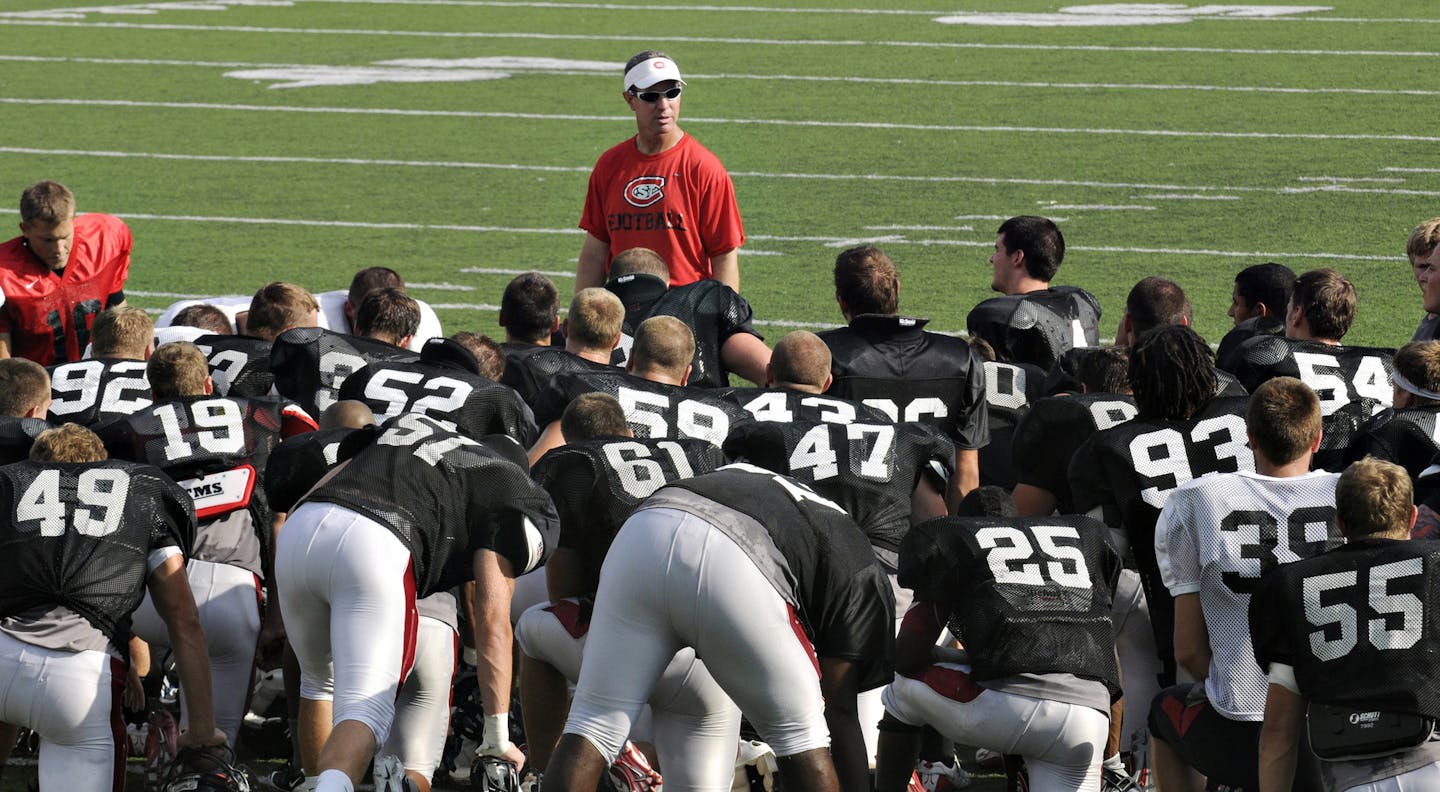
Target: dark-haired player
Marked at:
1257, 304
725, 341
1353, 382
891, 363
770, 584
24, 401
447, 383
651, 390
82, 540
216, 448
1347, 640
1030, 599
1034, 322
310, 364
1181, 431
592, 328
596, 480
111, 382
420, 509
1215, 538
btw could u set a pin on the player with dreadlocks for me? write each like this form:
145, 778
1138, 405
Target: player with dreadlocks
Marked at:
1182, 431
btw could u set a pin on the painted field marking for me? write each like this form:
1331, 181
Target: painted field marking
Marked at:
1192, 197
13, 19
504, 271
1162, 133
783, 77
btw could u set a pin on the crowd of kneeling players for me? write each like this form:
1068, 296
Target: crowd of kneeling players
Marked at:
1109, 564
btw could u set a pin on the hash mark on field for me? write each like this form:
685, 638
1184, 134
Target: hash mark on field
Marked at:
503, 271
918, 228
788, 78
1346, 179
11, 19
779, 122
1192, 197
1096, 207
904, 178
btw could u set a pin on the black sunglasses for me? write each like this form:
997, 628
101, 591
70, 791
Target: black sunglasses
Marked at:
651, 97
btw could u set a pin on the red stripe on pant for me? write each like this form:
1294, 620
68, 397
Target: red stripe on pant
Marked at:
952, 683
412, 626
119, 675
1179, 714
799, 630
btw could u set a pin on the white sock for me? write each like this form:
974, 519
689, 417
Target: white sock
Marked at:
334, 781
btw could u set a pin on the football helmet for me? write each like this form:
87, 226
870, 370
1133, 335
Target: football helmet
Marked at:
493, 774
204, 770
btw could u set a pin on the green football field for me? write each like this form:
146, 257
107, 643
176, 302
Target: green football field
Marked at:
252, 140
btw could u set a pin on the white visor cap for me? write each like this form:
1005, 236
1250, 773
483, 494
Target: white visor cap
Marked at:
654, 70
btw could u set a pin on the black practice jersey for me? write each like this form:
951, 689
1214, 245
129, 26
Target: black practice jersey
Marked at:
1027, 595
1128, 472
299, 462
475, 405
1242, 332
1053, 429
80, 536
779, 404
310, 364
597, 483
652, 409
1010, 389
1338, 374
828, 571
89, 391
17, 435
216, 449
871, 470
891, 363
1408, 436
446, 497
1358, 624
528, 369
241, 362
712, 310
1037, 327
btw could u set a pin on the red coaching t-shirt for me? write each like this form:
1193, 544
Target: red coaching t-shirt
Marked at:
48, 316
679, 203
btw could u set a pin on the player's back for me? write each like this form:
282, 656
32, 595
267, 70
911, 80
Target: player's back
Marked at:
1052, 431
652, 409
310, 364
530, 369
870, 469
1037, 327
782, 404
475, 405
86, 392
597, 483
242, 361
712, 311
1010, 389
1407, 436
17, 435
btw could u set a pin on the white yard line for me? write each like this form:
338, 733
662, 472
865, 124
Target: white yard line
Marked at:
1008, 130
650, 38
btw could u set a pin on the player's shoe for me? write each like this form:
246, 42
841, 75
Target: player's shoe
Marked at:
161, 745
631, 771
942, 776
989, 760
390, 775
286, 779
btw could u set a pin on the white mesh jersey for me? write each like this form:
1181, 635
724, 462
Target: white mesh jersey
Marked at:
1217, 536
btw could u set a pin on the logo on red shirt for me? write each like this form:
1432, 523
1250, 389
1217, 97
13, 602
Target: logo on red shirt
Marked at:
645, 191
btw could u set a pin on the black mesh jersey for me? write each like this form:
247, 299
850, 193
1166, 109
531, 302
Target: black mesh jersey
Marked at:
653, 409
89, 391
779, 404
871, 470
529, 369
826, 570
1037, 327
597, 483
310, 364
893, 364
1408, 436
1010, 388
1128, 472
17, 435
1358, 624
446, 497
1053, 429
475, 405
1338, 374
1242, 332
216, 448
710, 308
299, 462
242, 361
80, 535
1027, 595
